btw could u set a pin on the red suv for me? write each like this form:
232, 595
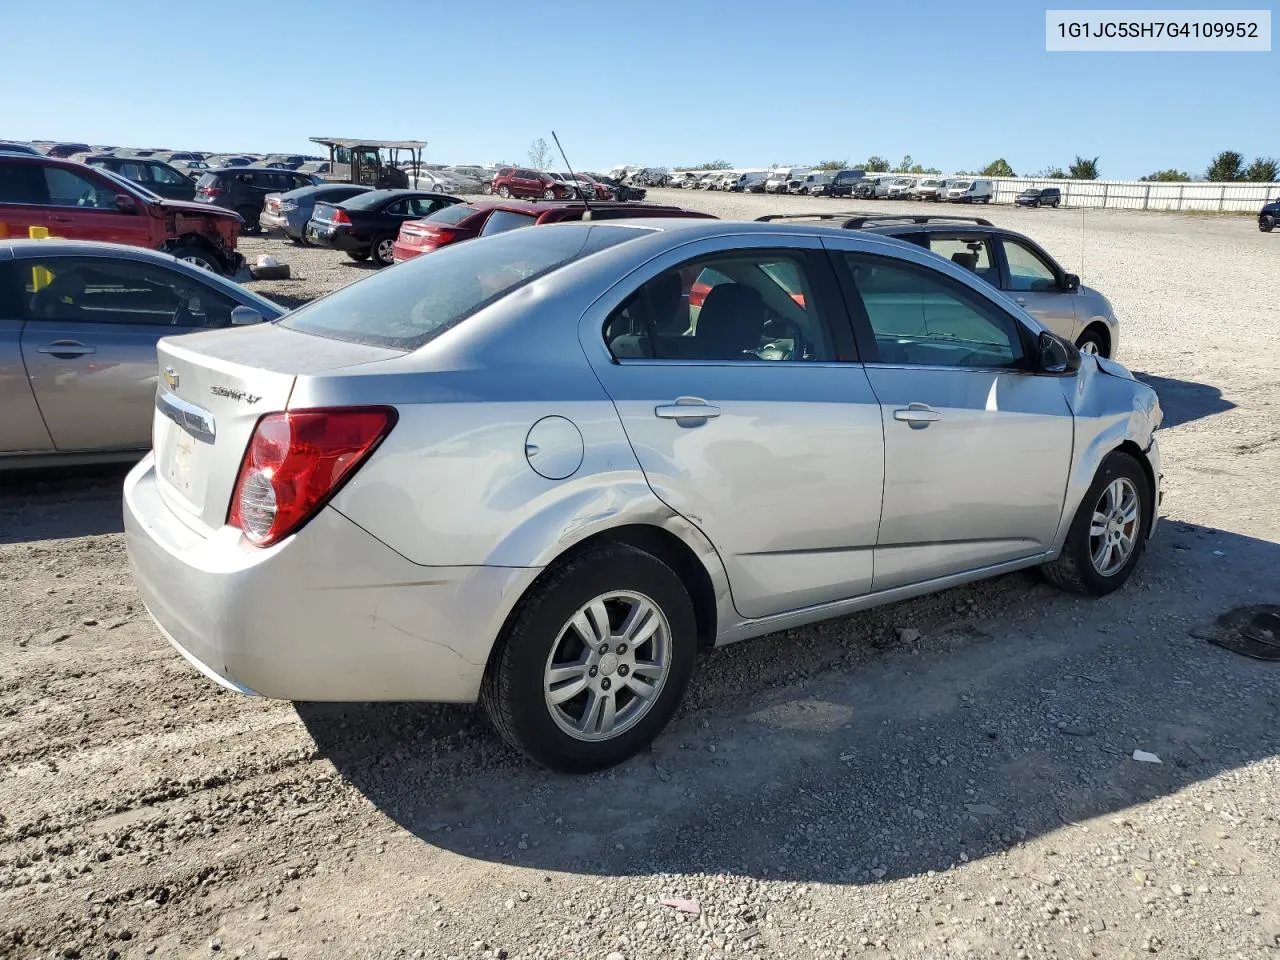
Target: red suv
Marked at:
83, 203
481, 218
530, 184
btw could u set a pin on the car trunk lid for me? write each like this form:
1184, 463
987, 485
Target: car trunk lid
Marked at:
212, 390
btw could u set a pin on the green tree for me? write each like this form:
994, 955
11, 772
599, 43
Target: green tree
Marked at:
904, 166
876, 164
539, 154
1167, 176
1263, 170
1083, 168
1052, 173
1226, 166
832, 165
998, 168
916, 168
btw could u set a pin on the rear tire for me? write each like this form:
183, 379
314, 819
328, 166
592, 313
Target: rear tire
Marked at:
1266, 223
1114, 515
252, 224
381, 250
520, 692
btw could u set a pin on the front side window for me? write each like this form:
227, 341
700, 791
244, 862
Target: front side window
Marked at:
749, 306
162, 174
68, 188
919, 317
99, 290
1027, 272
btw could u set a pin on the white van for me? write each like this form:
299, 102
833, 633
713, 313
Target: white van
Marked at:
746, 182
780, 179
967, 191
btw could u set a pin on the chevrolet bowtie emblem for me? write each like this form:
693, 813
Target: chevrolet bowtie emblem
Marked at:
171, 378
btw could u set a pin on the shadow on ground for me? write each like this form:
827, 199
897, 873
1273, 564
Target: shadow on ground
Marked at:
1185, 400
879, 762
64, 502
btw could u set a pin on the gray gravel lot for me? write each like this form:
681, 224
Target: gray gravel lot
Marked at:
948, 777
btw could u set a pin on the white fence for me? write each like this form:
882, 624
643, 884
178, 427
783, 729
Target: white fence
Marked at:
1146, 195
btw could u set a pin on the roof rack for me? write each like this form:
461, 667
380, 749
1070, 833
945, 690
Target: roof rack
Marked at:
856, 219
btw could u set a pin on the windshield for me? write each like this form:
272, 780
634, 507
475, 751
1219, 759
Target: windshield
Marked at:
412, 304
959, 184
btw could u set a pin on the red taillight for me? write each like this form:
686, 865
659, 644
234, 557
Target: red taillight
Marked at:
296, 461
340, 216
211, 191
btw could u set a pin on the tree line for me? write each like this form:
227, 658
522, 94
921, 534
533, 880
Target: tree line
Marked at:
1226, 167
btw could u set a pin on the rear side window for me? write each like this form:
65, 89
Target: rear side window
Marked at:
22, 183
404, 308
208, 180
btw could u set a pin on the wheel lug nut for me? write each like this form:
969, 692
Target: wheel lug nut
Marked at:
622, 648
592, 672
604, 648
622, 670
604, 684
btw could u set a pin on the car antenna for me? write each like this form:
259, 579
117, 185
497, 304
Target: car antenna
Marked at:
587, 214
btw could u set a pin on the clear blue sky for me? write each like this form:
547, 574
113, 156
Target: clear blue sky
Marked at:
659, 82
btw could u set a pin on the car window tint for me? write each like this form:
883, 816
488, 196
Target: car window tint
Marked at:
918, 316
133, 171
757, 306
161, 174
500, 221
1027, 272
972, 253
399, 208
421, 206
22, 183
407, 307
453, 213
101, 290
68, 188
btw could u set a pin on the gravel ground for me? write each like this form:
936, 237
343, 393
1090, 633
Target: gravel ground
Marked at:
948, 777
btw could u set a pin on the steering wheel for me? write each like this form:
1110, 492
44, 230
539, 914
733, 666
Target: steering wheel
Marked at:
799, 345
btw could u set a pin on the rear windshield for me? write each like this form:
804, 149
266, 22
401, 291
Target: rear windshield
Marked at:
368, 200
413, 303
455, 213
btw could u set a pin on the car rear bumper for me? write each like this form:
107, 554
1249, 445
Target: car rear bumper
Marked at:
279, 221
335, 238
401, 252
330, 613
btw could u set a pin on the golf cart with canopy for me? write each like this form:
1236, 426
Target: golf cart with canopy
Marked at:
362, 161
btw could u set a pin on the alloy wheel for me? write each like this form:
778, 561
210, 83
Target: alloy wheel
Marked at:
386, 249
607, 666
1090, 347
1114, 528
198, 261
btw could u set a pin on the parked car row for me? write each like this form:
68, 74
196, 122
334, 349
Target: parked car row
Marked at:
529, 184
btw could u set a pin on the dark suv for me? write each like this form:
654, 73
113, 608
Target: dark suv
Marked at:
1039, 197
1269, 215
80, 203
243, 189
156, 175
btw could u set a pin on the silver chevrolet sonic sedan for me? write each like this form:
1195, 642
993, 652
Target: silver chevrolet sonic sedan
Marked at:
544, 469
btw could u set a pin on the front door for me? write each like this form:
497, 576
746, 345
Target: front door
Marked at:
977, 447
83, 206
24, 199
89, 343
1036, 284
732, 371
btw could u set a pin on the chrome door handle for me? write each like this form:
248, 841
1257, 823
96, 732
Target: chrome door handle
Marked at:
693, 409
66, 349
917, 415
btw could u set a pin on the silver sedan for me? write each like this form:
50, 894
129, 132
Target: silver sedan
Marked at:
79, 323
544, 469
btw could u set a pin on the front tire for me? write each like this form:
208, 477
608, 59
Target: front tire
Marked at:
1092, 341
1266, 223
252, 224
1109, 531
504, 192
548, 194
198, 256
594, 660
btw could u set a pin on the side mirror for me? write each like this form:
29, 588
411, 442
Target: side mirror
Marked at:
243, 316
125, 204
1071, 283
1057, 355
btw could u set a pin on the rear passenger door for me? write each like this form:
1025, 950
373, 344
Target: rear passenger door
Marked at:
730, 362
89, 343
